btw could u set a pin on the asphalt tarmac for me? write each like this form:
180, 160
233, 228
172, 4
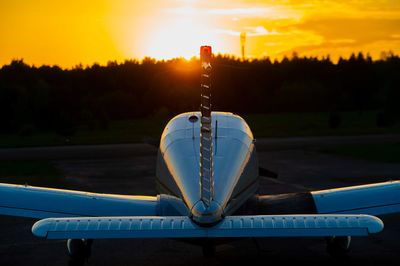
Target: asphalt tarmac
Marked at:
130, 169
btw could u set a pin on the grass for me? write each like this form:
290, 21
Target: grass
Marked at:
127, 131
262, 125
388, 153
28, 172
315, 124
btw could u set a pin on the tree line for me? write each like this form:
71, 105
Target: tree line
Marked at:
52, 98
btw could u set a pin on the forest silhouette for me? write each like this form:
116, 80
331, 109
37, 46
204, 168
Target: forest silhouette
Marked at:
52, 98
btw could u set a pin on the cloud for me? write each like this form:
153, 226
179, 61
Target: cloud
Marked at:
343, 36
228, 32
361, 30
272, 43
252, 11
269, 11
317, 27
250, 31
260, 31
342, 41
240, 11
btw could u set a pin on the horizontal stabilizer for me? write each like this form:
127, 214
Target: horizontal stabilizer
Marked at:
183, 227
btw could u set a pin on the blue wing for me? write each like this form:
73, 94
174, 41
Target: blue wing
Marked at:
373, 199
36, 202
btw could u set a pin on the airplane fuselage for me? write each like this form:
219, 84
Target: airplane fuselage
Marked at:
235, 164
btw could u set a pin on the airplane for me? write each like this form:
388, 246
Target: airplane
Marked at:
207, 176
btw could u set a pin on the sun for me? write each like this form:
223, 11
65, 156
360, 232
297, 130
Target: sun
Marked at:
179, 38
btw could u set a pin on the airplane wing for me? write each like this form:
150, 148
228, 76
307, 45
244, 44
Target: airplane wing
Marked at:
184, 227
37, 202
338, 212
372, 199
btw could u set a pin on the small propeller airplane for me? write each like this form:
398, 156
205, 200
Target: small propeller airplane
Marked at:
207, 177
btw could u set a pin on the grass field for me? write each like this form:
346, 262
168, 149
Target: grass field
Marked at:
262, 125
127, 131
32, 173
315, 124
388, 153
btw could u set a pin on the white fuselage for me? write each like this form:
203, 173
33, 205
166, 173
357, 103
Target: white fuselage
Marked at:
235, 164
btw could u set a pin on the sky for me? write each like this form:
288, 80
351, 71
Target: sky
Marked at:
68, 33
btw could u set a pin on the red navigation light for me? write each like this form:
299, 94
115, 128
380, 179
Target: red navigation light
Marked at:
205, 53
205, 49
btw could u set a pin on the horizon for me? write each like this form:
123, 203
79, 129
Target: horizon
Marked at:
69, 33
384, 56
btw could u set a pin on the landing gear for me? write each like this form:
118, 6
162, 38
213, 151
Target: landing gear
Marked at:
79, 250
338, 246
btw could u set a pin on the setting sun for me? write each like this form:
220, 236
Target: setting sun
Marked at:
179, 38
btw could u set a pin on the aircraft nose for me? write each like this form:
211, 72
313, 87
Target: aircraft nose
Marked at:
207, 216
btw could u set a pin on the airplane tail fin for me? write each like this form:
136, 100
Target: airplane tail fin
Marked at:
206, 162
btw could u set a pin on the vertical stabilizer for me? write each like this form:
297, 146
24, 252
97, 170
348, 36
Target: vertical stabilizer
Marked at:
206, 163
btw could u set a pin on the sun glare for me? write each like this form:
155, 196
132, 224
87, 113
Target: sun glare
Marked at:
180, 38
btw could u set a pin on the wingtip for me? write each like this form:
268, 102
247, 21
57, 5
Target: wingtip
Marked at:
375, 225
41, 228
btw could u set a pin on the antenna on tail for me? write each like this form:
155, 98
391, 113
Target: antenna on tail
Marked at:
206, 172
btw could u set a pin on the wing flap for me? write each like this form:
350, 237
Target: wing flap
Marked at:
183, 227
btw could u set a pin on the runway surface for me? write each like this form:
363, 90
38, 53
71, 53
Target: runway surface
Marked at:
130, 169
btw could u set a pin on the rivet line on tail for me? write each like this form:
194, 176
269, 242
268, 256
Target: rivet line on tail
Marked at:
206, 173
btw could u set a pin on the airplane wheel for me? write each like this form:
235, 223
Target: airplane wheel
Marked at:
338, 246
79, 250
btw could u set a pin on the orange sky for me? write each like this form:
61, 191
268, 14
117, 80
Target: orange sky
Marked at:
67, 33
